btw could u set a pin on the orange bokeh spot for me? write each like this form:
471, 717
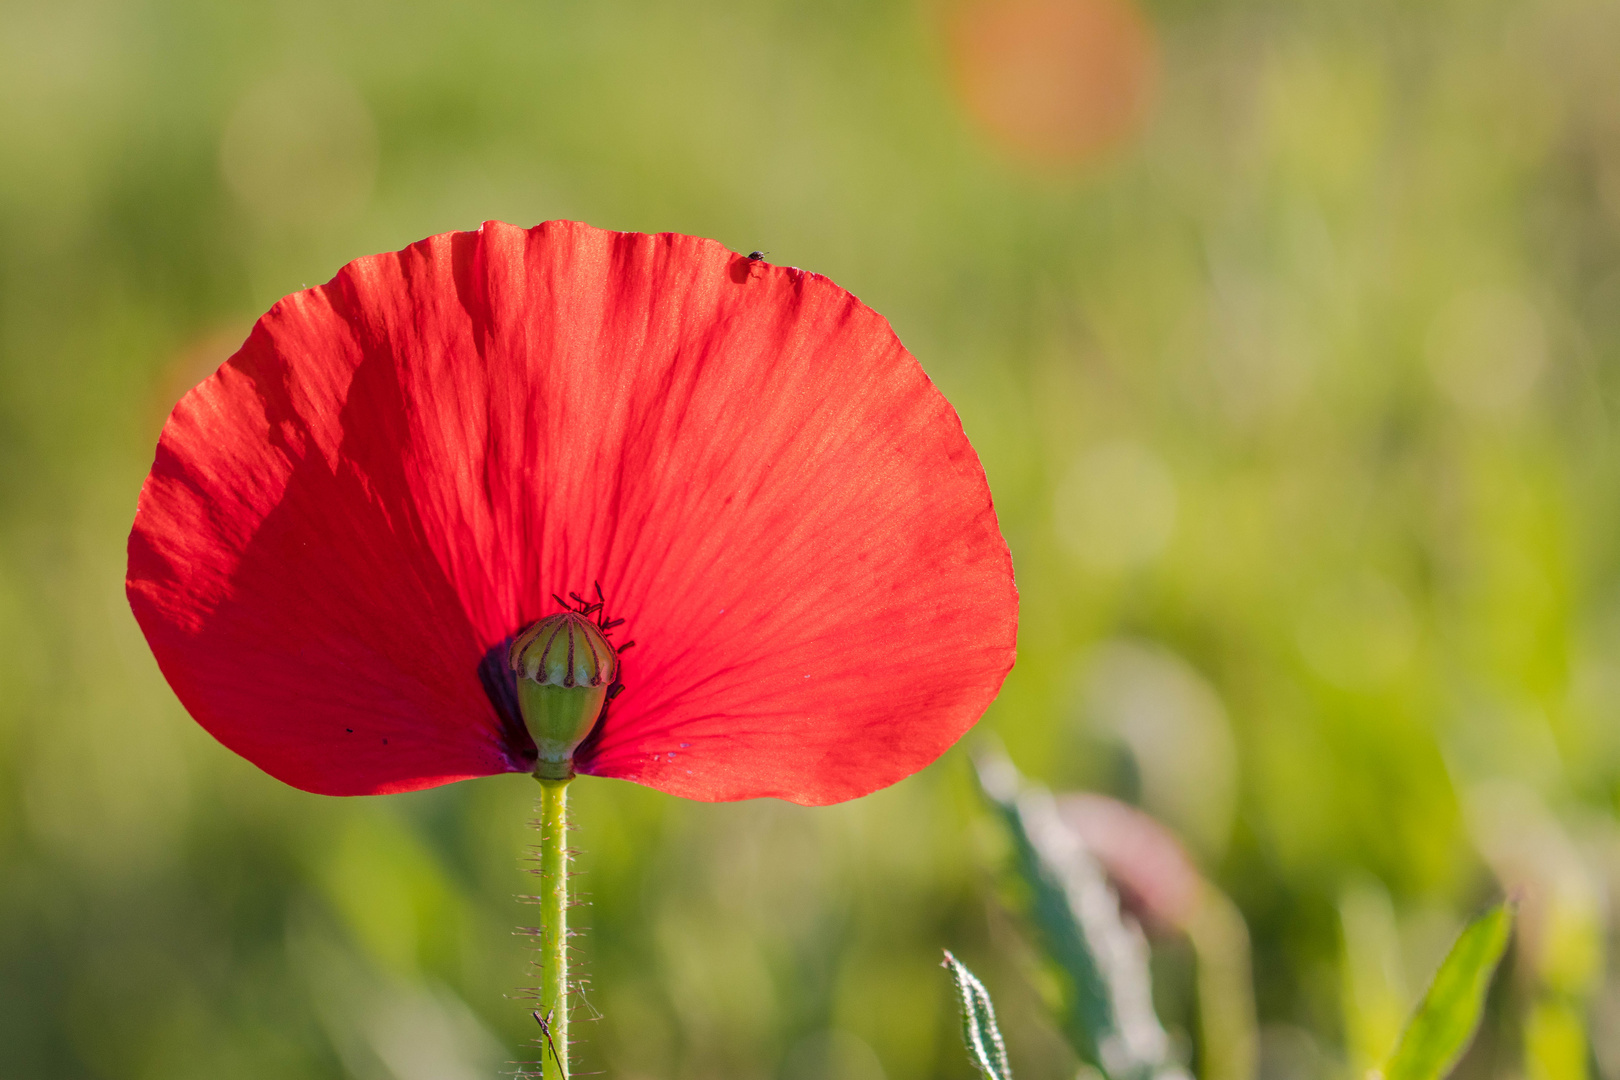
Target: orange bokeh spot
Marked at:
1054, 81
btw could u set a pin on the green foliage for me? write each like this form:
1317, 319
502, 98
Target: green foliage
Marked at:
1102, 961
1447, 1017
980, 1035
1312, 387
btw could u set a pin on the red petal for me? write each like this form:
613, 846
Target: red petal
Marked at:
399, 469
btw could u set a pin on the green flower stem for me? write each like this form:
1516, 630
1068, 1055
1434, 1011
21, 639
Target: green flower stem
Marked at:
554, 926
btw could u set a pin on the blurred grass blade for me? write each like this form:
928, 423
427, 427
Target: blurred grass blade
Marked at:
1101, 960
1445, 1020
979, 1032
1229, 1034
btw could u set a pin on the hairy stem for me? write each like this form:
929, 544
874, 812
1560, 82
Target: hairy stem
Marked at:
554, 927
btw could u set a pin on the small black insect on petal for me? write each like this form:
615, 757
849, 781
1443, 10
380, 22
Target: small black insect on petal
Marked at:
755, 256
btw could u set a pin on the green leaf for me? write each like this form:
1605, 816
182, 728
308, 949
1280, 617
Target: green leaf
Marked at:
1101, 960
1444, 1023
979, 1032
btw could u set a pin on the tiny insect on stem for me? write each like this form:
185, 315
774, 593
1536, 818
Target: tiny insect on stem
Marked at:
545, 1029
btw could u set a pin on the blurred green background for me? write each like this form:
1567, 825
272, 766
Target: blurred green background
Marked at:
1288, 332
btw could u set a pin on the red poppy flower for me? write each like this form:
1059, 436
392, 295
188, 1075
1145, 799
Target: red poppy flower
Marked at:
348, 524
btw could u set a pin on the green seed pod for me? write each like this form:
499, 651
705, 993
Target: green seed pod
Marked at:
564, 666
